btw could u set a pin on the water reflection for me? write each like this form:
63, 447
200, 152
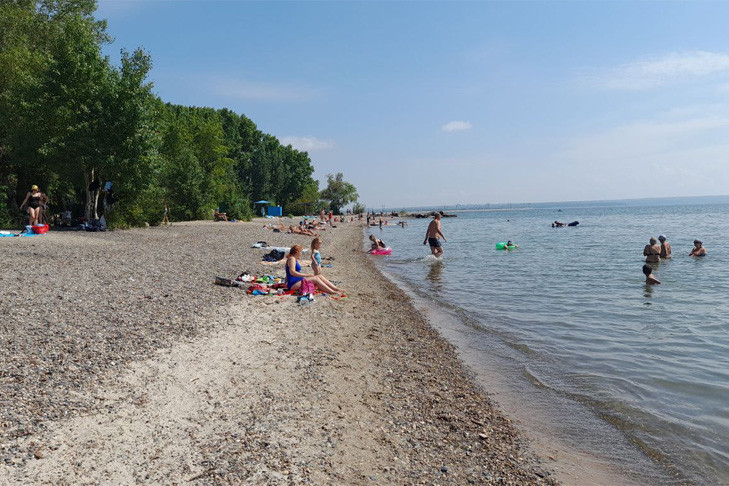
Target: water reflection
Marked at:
435, 274
648, 292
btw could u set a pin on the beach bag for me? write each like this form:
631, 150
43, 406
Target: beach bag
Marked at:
40, 229
274, 256
307, 287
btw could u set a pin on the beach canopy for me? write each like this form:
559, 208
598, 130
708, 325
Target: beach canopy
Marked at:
261, 202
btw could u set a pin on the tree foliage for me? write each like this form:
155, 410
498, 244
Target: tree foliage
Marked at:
70, 117
338, 192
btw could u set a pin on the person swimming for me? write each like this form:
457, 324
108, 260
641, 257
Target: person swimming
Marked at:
649, 278
665, 247
698, 250
652, 251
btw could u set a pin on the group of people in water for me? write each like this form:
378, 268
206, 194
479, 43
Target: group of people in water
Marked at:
654, 252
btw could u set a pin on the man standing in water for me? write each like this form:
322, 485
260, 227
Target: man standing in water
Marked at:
433, 234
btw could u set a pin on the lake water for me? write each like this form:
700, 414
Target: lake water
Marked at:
568, 311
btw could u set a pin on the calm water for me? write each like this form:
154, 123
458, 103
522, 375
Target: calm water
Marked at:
571, 306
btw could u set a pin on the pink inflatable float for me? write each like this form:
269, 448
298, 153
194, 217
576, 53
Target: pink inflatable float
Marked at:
381, 251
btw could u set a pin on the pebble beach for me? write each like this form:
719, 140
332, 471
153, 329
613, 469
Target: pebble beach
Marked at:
122, 363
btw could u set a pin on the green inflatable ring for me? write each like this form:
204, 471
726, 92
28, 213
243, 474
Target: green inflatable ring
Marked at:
501, 245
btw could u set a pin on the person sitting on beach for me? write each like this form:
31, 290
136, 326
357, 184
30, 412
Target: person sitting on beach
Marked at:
377, 244
649, 278
299, 231
316, 256
558, 224
294, 277
698, 250
219, 216
665, 247
652, 251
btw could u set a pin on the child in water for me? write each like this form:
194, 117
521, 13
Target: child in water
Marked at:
649, 278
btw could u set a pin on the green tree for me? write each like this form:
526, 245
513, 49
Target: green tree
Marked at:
358, 208
338, 192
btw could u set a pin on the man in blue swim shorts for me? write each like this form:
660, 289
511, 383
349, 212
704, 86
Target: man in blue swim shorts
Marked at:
433, 234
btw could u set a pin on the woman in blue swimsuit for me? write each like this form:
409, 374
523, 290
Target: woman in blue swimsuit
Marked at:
294, 277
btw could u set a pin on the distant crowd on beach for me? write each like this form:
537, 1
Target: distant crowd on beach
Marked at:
654, 252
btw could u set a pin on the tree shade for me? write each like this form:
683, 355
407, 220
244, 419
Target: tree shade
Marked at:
72, 120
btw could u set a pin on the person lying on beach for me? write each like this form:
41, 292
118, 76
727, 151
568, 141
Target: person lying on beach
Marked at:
649, 278
280, 228
665, 247
698, 250
377, 244
294, 277
652, 251
299, 231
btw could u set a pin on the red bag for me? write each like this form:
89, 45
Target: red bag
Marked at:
40, 228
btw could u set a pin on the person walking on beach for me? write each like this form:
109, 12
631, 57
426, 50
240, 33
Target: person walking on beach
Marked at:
652, 251
665, 247
35, 200
433, 234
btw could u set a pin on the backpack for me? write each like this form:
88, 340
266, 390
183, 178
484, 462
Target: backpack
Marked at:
274, 256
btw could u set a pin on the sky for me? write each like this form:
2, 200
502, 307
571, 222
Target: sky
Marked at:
460, 102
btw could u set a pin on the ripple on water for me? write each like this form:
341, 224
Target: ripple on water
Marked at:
650, 359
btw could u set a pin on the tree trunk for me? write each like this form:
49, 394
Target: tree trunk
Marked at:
91, 196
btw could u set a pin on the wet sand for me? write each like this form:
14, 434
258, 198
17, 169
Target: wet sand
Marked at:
122, 363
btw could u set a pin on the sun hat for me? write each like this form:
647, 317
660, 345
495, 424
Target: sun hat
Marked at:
33, 187
662, 237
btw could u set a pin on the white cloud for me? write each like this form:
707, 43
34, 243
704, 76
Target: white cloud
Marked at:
247, 90
307, 144
456, 126
661, 71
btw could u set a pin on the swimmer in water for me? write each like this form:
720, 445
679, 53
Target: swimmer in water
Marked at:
649, 278
665, 247
433, 235
698, 250
652, 251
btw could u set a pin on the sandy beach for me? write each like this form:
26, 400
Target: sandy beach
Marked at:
122, 363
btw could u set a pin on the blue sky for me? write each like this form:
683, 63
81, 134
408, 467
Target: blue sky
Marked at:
427, 102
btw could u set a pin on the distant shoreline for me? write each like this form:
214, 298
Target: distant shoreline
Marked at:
651, 201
